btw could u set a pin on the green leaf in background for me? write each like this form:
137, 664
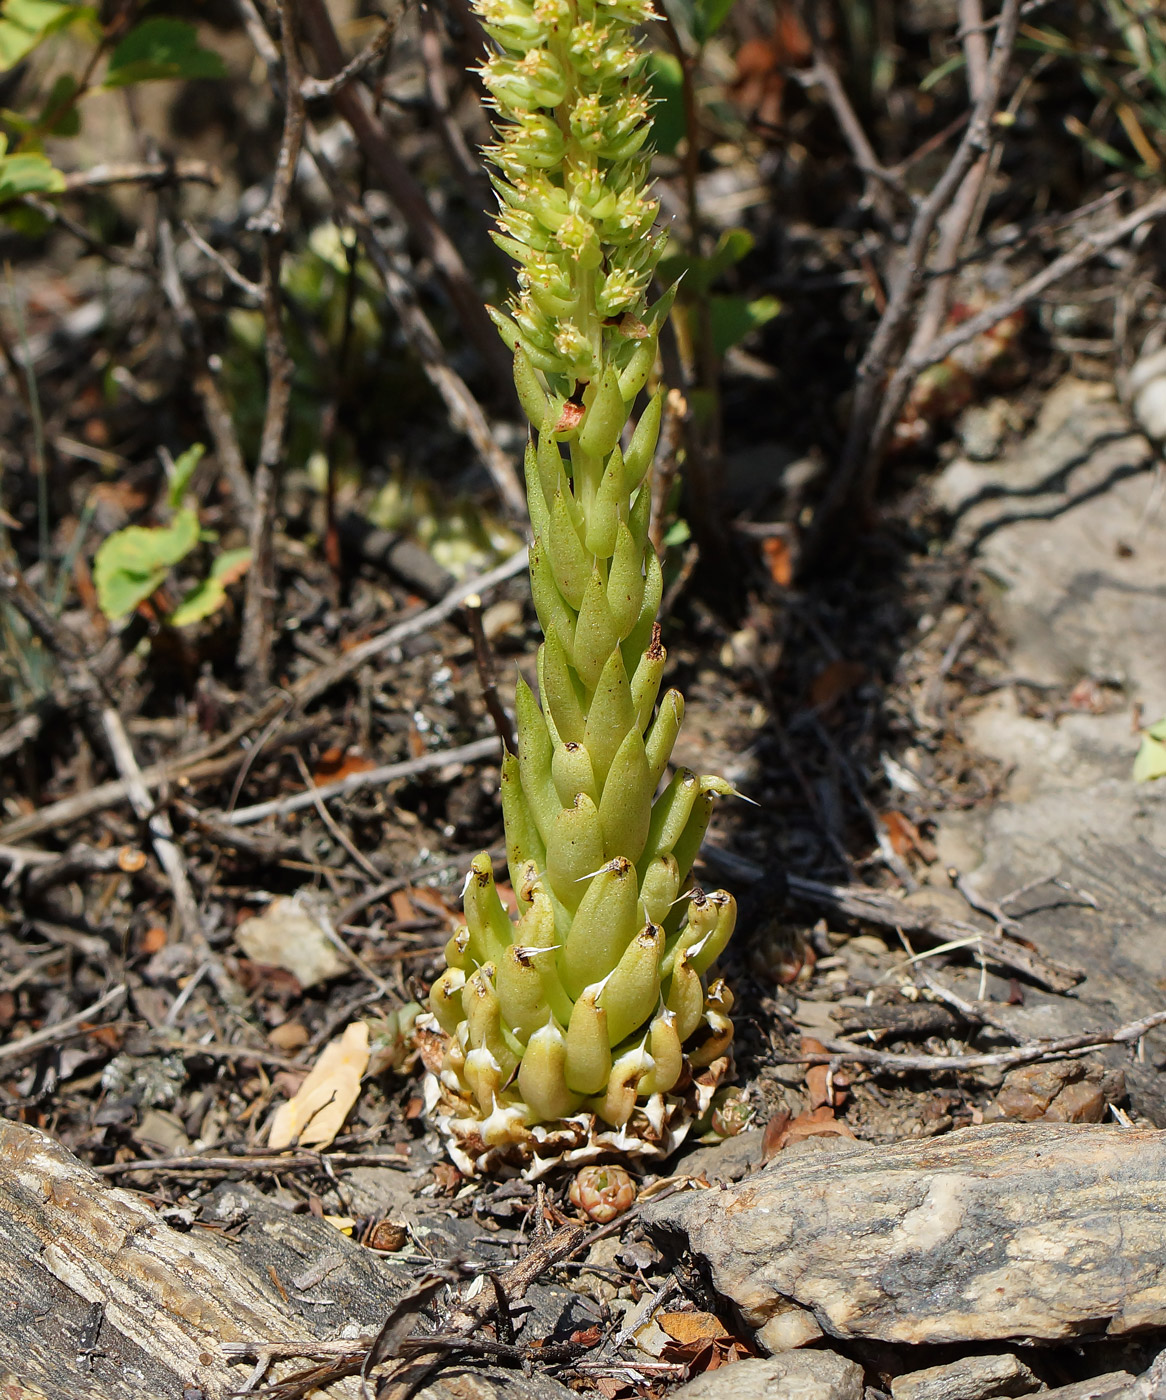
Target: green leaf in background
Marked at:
27, 174
58, 117
161, 48
210, 595
131, 564
183, 471
1151, 760
707, 18
664, 78
699, 274
733, 318
25, 23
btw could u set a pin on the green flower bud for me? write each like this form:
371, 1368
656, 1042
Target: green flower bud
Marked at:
667, 1055
684, 997
625, 582
625, 808
642, 448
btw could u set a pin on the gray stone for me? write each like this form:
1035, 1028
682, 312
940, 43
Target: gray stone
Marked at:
1076, 573
1107, 1387
970, 1378
803, 1375
1015, 1230
729, 1160
1108, 844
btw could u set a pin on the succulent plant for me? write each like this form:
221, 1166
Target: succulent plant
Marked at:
596, 1004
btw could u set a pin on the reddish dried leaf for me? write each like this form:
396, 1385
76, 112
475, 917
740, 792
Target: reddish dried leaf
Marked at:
773, 1139
570, 418
403, 910
779, 560
336, 763
834, 681
817, 1076
152, 940
901, 831
820, 1123
689, 1328
587, 1336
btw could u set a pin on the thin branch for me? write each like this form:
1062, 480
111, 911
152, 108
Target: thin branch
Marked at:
313, 686
354, 782
354, 105
464, 410
374, 50
156, 173
214, 406
255, 643
1090, 245
996, 1059
80, 1024
854, 476
487, 676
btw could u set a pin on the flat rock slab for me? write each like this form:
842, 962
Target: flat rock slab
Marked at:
971, 1378
1109, 847
1009, 1231
801, 1375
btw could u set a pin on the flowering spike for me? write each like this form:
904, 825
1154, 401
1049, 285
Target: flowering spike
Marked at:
596, 1000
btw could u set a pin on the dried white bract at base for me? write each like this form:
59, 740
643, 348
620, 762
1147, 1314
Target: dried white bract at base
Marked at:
509, 1139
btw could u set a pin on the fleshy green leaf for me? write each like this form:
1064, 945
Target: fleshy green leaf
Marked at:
664, 78
161, 48
131, 564
1158, 731
1151, 760
25, 23
183, 471
210, 595
733, 318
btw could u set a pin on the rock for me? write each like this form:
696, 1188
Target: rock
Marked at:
728, 1160
290, 936
1065, 1091
1013, 1230
1146, 388
982, 428
1107, 846
971, 1378
171, 1298
1108, 1387
806, 1375
1075, 570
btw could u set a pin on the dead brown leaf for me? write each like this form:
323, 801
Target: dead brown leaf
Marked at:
690, 1327
317, 1111
834, 681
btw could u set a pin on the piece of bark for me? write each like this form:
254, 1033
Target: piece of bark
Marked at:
73, 1249
1035, 1230
969, 1378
